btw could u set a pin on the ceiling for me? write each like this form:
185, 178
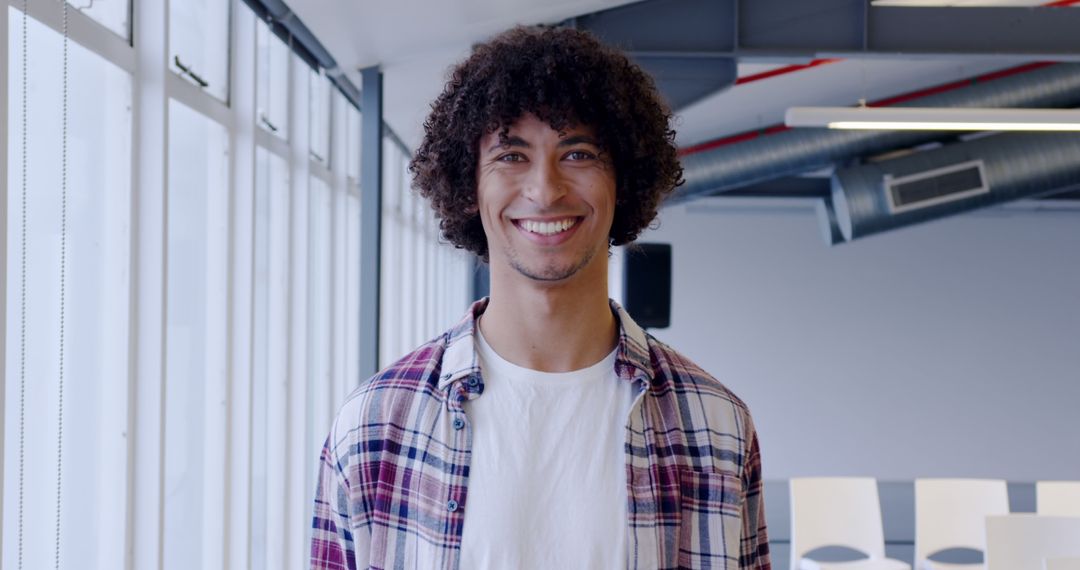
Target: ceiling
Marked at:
416, 41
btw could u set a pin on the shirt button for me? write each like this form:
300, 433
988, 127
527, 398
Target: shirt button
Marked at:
451, 505
473, 381
459, 423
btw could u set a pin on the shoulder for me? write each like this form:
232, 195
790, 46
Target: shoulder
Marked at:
392, 397
674, 371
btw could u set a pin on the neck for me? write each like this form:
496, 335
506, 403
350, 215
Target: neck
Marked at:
550, 327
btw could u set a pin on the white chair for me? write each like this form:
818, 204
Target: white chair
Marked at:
1022, 541
951, 513
1060, 498
1072, 563
838, 511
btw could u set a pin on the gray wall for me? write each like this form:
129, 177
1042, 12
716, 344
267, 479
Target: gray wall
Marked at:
950, 349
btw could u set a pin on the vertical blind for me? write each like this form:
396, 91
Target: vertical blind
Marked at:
200, 377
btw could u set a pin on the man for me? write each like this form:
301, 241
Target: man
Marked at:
546, 430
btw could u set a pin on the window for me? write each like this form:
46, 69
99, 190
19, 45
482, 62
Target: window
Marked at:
320, 291
228, 286
199, 50
423, 282
352, 143
352, 293
95, 303
194, 373
270, 349
319, 93
113, 14
272, 81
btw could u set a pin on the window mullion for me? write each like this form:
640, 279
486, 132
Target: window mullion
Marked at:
3, 234
338, 265
237, 503
144, 532
83, 30
294, 526
198, 100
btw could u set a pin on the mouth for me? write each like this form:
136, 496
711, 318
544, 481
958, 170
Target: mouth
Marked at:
548, 227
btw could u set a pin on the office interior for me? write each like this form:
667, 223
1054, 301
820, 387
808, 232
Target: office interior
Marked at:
210, 239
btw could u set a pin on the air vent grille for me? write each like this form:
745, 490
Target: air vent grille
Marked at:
934, 187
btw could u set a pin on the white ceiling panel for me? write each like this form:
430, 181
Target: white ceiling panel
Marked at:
415, 41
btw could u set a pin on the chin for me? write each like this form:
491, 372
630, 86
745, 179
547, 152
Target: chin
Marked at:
549, 274
553, 272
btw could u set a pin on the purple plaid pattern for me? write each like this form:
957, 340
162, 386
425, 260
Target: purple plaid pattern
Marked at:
393, 479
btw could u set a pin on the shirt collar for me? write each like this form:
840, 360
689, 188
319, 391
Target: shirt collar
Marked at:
460, 361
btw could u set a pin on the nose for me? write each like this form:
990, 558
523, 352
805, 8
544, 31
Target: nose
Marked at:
545, 185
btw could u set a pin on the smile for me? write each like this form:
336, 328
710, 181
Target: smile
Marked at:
547, 228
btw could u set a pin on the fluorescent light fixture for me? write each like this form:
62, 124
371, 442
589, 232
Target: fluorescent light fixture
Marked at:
934, 118
959, 3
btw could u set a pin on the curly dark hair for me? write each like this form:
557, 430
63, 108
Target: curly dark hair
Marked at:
564, 77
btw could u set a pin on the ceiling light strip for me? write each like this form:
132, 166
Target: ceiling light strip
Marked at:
934, 119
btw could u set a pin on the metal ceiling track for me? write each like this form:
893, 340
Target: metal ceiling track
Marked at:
287, 25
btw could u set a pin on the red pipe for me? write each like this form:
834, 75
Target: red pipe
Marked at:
785, 70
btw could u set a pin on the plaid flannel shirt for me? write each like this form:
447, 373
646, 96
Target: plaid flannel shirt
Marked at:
394, 475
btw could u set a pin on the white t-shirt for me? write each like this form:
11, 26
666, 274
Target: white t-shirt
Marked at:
547, 479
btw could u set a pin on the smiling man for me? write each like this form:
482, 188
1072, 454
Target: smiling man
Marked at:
546, 429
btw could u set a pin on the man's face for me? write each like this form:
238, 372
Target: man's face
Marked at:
546, 199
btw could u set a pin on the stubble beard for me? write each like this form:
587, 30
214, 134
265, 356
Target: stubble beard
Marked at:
550, 272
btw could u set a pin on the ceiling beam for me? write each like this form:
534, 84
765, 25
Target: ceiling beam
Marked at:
785, 31
854, 28
684, 44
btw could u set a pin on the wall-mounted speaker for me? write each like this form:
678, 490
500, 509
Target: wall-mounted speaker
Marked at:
647, 283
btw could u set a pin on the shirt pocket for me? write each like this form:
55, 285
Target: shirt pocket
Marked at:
710, 524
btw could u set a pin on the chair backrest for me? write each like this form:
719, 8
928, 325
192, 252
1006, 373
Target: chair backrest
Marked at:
1022, 541
951, 513
835, 511
1060, 498
1071, 563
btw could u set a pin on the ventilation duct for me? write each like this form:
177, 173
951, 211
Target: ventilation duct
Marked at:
797, 151
827, 222
956, 178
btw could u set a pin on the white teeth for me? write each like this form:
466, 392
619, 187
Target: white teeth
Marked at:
548, 228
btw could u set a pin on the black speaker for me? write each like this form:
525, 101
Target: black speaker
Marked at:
647, 283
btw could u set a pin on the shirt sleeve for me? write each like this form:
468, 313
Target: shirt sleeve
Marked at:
332, 544
754, 553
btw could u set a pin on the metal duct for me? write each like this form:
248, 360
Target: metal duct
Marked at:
937, 183
827, 222
802, 150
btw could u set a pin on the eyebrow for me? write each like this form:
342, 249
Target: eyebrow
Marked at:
514, 141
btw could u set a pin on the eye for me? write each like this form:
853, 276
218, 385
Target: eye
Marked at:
511, 157
580, 155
